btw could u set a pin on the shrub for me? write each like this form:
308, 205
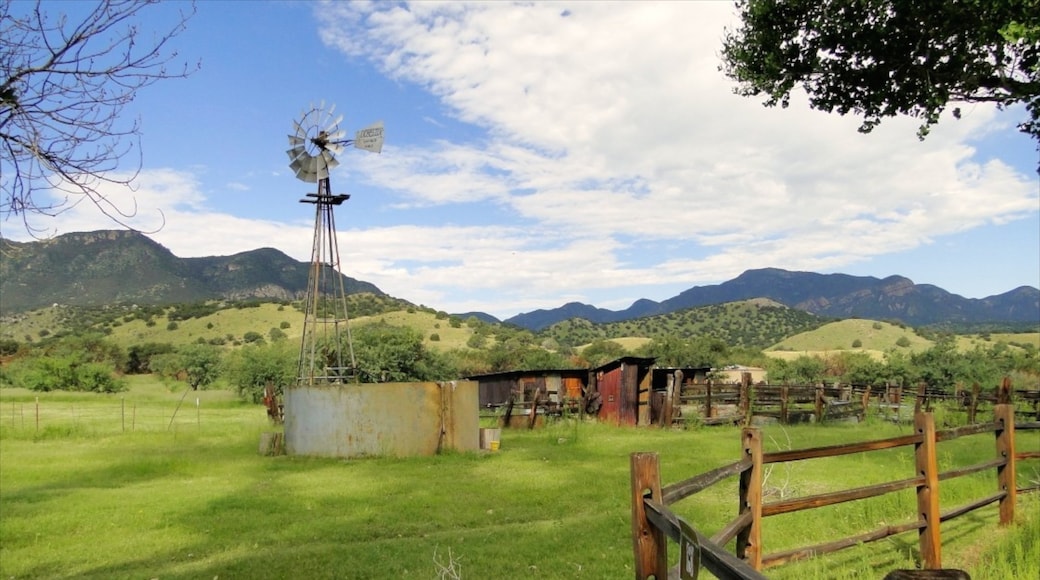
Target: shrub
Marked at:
857, 343
435, 337
903, 342
8, 346
252, 336
284, 324
171, 325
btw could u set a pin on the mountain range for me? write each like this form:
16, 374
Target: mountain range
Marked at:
118, 266
828, 295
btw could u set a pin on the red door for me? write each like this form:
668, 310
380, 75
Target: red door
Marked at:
609, 385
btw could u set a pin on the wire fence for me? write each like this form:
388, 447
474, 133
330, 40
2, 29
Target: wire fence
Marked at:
116, 416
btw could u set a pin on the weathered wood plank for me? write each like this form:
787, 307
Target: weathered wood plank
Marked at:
971, 469
835, 497
779, 558
951, 434
676, 491
836, 450
950, 514
730, 530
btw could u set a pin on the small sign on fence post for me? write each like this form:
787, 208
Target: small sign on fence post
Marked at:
689, 552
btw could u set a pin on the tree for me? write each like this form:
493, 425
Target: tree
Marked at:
882, 58
252, 367
196, 364
602, 351
387, 353
63, 86
672, 351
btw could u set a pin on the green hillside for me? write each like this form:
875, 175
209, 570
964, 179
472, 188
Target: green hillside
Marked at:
854, 334
753, 323
876, 338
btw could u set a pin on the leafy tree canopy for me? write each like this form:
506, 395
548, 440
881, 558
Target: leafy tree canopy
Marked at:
882, 58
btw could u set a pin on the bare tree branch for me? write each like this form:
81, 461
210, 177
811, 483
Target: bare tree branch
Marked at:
63, 86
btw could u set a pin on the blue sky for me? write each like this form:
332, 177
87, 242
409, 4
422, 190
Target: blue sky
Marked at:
538, 154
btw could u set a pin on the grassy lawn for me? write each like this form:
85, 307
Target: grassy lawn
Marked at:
86, 497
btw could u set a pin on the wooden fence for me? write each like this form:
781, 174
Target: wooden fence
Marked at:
654, 523
736, 403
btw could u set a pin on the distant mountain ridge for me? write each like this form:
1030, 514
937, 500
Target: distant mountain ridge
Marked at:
829, 295
118, 266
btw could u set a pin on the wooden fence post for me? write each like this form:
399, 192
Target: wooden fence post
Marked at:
680, 378
1004, 415
784, 392
666, 409
707, 399
648, 542
1004, 392
866, 402
819, 404
534, 407
974, 407
928, 492
749, 540
745, 396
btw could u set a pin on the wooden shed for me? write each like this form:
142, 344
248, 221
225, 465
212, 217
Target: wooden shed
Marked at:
622, 388
551, 389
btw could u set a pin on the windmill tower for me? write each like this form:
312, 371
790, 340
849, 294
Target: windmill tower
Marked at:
326, 348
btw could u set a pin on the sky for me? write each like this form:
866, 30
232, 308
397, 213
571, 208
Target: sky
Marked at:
544, 153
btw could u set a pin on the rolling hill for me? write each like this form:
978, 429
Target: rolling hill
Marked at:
119, 266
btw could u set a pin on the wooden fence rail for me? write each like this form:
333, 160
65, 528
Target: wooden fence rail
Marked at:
653, 522
736, 403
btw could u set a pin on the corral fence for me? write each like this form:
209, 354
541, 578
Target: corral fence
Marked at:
712, 403
109, 416
654, 523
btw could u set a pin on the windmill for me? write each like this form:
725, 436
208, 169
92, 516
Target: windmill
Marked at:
314, 145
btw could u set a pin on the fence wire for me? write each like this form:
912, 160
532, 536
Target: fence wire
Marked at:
108, 417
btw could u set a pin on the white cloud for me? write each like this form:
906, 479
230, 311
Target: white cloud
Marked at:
614, 121
613, 155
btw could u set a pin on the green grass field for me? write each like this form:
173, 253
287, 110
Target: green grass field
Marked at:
84, 495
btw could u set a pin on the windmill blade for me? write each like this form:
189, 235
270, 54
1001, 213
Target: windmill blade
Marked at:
329, 160
298, 151
334, 124
339, 134
294, 141
335, 148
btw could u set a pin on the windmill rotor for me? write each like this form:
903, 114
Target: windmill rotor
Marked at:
315, 142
